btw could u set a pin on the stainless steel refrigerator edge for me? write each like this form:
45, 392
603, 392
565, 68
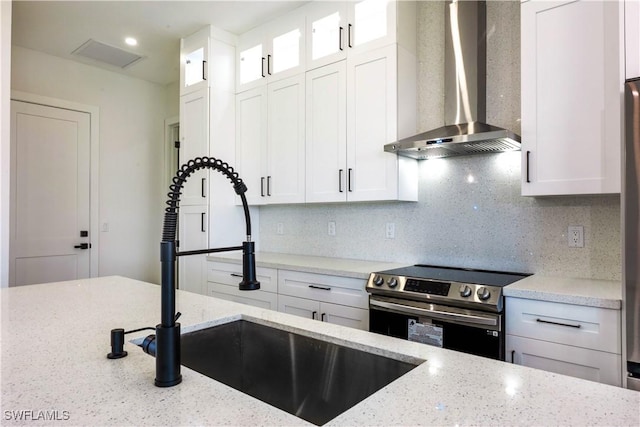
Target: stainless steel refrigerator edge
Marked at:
631, 230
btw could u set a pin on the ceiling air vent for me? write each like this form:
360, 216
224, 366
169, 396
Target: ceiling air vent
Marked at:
108, 54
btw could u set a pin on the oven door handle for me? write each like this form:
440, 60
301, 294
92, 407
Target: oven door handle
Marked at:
436, 314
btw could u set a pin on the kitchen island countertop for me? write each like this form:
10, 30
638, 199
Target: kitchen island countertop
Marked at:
55, 338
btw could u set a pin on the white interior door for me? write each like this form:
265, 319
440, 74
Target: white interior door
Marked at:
50, 187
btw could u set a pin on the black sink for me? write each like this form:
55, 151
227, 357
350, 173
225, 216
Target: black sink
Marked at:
307, 377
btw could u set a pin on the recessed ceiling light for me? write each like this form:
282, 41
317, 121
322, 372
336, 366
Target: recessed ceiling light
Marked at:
131, 41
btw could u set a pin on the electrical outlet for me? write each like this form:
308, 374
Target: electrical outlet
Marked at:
279, 228
331, 228
575, 235
390, 230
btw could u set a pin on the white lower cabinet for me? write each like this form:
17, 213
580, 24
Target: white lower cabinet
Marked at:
574, 340
563, 359
325, 312
223, 279
333, 299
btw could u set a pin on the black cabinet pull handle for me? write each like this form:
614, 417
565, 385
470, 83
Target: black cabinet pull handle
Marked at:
202, 215
236, 275
314, 314
349, 35
269, 186
349, 180
513, 356
204, 67
528, 153
569, 325
203, 184
340, 38
340, 173
322, 288
262, 71
269, 64
323, 316
83, 246
262, 186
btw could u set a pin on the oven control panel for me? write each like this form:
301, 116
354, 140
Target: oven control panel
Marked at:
434, 290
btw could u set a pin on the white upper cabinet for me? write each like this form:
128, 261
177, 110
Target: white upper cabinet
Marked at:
194, 57
337, 29
354, 108
270, 141
285, 142
271, 52
572, 79
251, 142
632, 38
326, 133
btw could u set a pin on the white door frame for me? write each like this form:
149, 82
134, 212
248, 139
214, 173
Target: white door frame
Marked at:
169, 148
94, 114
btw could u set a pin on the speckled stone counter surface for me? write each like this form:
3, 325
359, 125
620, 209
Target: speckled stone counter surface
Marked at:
594, 293
55, 338
311, 264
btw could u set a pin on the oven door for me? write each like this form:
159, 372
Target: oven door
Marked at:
453, 328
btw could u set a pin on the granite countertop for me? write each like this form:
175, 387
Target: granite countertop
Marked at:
55, 338
589, 292
311, 264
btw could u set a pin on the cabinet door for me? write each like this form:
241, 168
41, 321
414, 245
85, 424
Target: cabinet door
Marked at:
372, 24
326, 32
352, 317
571, 104
577, 362
192, 235
194, 142
372, 174
251, 60
299, 306
194, 59
251, 140
326, 130
285, 147
286, 46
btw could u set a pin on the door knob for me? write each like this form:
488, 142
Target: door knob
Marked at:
83, 246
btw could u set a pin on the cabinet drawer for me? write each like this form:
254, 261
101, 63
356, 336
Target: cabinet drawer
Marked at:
259, 298
577, 362
231, 274
324, 288
579, 326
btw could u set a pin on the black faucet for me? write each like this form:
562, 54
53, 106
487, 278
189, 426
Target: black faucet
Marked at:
167, 337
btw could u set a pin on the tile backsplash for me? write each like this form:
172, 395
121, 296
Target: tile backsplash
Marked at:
470, 212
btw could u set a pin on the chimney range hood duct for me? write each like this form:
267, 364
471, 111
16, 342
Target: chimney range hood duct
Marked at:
464, 132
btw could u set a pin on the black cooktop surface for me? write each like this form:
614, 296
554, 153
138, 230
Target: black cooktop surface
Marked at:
454, 274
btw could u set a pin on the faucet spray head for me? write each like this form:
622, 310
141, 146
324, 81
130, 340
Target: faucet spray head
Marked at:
249, 280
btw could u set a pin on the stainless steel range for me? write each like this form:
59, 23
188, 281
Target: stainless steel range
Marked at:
454, 308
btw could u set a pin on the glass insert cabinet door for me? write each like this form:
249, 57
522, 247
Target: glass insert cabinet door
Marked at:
336, 27
194, 56
271, 52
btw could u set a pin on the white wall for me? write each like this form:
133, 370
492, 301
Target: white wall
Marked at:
132, 114
5, 89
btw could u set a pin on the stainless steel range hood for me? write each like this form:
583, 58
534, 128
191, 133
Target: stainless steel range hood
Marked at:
464, 132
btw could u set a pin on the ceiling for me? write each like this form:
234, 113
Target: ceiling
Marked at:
60, 27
